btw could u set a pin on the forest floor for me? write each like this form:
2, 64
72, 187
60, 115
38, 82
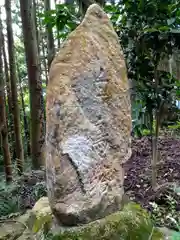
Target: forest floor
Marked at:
163, 204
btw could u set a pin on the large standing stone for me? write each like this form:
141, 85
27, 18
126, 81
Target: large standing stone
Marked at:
88, 123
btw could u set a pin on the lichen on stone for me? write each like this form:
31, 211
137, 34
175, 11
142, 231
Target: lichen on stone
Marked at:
131, 223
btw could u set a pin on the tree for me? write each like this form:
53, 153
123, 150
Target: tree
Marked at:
38, 8
13, 79
50, 38
84, 4
147, 35
3, 116
25, 121
9, 105
40, 46
35, 86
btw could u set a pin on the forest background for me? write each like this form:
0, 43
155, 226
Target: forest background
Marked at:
31, 32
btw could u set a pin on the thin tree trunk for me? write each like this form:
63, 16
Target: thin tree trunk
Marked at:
9, 100
35, 86
13, 78
5, 143
39, 54
58, 37
50, 38
155, 138
26, 127
3, 118
155, 152
44, 63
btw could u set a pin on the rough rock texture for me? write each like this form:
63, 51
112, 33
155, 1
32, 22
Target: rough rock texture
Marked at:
12, 229
132, 222
88, 123
31, 226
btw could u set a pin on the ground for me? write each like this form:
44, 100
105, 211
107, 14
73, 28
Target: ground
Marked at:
164, 203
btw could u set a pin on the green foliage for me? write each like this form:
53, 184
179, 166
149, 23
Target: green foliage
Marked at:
175, 127
166, 215
41, 221
64, 18
39, 190
9, 203
147, 34
14, 195
164, 210
146, 31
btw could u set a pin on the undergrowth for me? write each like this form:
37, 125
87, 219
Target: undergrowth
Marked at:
165, 211
16, 197
9, 200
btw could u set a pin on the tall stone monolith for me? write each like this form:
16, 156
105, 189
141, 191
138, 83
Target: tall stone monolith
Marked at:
88, 123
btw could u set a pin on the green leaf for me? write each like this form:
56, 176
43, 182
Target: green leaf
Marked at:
171, 21
41, 221
150, 30
164, 28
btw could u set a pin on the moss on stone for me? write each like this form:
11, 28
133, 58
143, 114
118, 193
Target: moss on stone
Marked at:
131, 223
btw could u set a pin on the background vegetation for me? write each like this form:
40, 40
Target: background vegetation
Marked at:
31, 32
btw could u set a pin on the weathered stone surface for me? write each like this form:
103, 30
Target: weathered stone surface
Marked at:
33, 225
132, 222
88, 123
12, 229
41, 214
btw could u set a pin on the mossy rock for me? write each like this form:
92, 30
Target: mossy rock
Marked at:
11, 229
131, 223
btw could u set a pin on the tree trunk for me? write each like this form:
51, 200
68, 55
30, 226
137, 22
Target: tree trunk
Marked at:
38, 43
13, 78
40, 40
155, 137
26, 127
3, 118
50, 38
9, 100
155, 152
35, 87
58, 37
44, 63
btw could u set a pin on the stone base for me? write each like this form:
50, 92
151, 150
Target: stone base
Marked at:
131, 223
